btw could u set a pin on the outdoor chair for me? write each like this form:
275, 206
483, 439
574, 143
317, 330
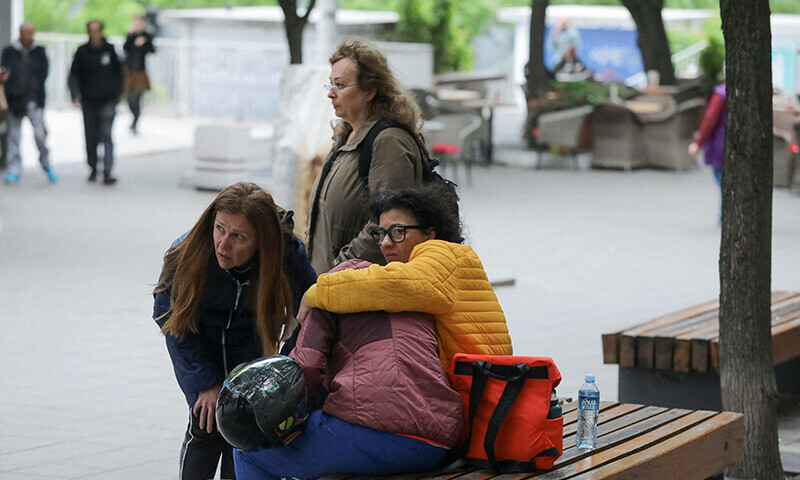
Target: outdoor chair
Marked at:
618, 137
784, 157
667, 134
456, 141
563, 130
432, 106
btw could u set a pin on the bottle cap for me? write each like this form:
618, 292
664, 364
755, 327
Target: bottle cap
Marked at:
589, 377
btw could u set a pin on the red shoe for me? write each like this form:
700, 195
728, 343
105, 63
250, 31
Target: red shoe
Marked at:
109, 180
93, 176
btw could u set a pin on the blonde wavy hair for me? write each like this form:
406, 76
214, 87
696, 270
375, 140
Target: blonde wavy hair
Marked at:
391, 100
187, 264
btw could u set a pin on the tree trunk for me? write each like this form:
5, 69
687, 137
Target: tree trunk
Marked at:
537, 75
747, 375
294, 25
652, 38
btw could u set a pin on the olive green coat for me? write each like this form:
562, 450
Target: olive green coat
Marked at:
338, 219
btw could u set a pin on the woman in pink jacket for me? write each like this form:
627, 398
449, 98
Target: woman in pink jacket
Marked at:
388, 406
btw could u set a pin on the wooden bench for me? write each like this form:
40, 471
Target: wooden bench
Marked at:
634, 441
673, 360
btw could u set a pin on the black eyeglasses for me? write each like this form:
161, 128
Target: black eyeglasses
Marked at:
396, 232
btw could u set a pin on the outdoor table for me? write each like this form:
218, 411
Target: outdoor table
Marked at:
639, 107
457, 95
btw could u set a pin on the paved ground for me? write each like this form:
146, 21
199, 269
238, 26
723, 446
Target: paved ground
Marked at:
88, 387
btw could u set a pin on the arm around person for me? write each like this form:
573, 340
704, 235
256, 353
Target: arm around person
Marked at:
426, 283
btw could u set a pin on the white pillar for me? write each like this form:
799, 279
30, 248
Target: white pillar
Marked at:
327, 31
11, 15
17, 16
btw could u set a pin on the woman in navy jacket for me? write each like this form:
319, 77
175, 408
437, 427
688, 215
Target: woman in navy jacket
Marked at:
224, 297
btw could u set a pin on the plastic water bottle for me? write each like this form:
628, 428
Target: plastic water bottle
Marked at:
588, 410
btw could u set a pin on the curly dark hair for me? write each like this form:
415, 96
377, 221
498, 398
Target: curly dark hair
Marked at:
433, 205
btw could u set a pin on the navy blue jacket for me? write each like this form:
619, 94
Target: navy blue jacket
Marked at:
201, 360
18, 88
95, 76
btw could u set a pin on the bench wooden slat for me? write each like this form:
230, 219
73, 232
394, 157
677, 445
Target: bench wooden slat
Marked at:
615, 418
610, 347
619, 430
681, 355
649, 326
612, 342
635, 442
785, 317
784, 334
627, 351
785, 300
686, 340
645, 352
469, 474
785, 339
720, 443
664, 353
607, 414
686, 326
701, 355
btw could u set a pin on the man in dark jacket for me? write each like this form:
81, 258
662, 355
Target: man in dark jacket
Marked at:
25, 68
95, 83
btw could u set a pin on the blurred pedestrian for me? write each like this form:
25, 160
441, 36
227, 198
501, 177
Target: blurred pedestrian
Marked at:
138, 44
711, 135
561, 39
226, 295
95, 82
571, 68
24, 71
363, 91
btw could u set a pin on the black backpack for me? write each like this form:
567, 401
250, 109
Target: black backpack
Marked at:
429, 175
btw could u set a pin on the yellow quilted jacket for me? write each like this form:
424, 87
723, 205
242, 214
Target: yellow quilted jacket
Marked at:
441, 278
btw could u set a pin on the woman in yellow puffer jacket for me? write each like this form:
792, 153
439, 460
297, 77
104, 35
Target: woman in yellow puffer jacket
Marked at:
428, 271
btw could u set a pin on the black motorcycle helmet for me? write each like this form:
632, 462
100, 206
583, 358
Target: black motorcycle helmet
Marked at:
262, 403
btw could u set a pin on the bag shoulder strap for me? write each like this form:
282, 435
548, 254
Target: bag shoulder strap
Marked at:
515, 376
365, 157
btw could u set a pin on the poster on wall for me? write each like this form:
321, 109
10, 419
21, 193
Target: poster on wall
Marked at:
783, 70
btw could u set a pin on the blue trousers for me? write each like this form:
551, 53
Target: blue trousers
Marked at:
35, 114
328, 445
718, 178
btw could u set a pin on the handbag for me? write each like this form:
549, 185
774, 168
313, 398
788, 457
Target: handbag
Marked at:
3, 104
513, 423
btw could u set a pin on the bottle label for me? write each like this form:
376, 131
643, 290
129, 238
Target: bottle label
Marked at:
588, 403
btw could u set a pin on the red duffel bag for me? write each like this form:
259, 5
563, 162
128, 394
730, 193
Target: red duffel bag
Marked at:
510, 423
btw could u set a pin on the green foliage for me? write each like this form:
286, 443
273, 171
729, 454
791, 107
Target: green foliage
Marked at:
447, 28
712, 60
70, 16
776, 6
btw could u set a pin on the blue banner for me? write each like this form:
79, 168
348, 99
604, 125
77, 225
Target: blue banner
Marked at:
611, 54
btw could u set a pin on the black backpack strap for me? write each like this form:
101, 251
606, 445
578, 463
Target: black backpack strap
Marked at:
365, 157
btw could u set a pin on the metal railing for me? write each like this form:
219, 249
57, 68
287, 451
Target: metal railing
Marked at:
685, 64
218, 78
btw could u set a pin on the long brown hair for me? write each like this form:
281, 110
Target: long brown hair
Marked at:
187, 264
391, 100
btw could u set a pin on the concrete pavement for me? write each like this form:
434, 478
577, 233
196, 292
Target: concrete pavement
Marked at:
88, 387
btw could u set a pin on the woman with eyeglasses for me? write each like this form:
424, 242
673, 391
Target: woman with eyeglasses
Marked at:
363, 91
430, 270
